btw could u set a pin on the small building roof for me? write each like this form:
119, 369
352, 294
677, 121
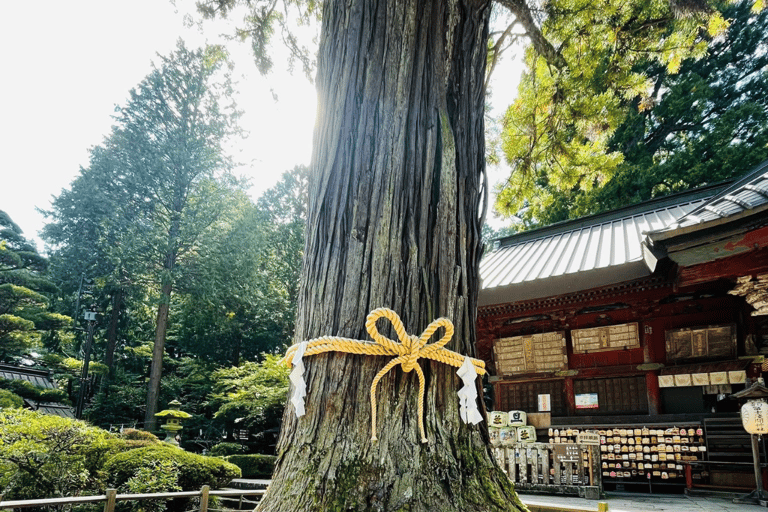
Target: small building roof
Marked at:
39, 378
615, 246
579, 254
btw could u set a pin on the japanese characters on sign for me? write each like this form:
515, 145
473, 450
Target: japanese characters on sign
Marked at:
532, 353
599, 339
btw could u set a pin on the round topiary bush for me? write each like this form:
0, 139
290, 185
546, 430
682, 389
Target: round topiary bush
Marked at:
224, 449
132, 434
194, 470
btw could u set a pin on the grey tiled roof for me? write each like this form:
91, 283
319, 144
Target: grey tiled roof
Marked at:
39, 378
604, 243
746, 194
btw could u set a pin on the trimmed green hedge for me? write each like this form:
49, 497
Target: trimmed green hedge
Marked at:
194, 470
224, 449
254, 465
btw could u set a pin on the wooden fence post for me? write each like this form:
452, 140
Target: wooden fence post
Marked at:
109, 505
204, 498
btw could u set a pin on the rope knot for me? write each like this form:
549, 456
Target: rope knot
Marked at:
412, 356
408, 350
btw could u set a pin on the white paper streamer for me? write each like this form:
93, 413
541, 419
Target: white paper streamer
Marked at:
468, 394
297, 379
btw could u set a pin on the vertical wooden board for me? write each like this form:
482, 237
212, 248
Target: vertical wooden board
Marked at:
512, 465
545, 465
523, 467
558, 472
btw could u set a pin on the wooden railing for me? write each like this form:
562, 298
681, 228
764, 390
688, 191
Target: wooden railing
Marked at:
553, 468
111, 497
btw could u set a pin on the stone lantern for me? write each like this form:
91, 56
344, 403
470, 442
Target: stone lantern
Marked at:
173, 416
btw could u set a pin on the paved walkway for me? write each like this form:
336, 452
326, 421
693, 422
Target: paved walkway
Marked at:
640, 503
622, 503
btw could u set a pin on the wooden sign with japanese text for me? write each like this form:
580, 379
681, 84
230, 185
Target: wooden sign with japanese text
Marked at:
543, 352
701, 342
599, 339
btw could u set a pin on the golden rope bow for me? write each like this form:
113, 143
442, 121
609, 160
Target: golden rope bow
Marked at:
408, 351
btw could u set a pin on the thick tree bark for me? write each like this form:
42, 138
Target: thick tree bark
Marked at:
156, 368
109, 355
393, 222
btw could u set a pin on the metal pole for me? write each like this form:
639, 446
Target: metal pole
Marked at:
756, 459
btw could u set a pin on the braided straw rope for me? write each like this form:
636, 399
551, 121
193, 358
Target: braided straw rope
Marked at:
408, 351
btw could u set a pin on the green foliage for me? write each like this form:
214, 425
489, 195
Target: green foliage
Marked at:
156, 476
579, 143
571, 102
9, 400
132, 434
224, 449
242, 300
262, 19
159, 187
254, 394
254, 465
194, 471
25, 316
47, 456
28, 390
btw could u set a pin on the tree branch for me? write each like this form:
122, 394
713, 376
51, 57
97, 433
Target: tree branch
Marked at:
522, 11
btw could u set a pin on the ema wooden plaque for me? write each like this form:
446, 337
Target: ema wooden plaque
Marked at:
544, 352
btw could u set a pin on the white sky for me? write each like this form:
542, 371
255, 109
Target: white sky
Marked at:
68, 64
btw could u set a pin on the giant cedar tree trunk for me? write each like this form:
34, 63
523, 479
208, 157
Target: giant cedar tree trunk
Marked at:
392, 222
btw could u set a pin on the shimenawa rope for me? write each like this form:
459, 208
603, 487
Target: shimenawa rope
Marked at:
408, 351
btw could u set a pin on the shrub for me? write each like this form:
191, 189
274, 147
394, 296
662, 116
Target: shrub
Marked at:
9, 400
194, 470
224, 449
138, 438
48, 456
158, 476
132, 434
254, 465
28, 390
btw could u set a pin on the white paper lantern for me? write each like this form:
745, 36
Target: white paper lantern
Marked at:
754, 417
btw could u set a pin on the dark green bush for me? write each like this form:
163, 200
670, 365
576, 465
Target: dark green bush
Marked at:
194, 470
254, 465
224, 449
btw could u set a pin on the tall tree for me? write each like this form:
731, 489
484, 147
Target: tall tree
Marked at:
24, 295
158, 184
240, 295
706, 123
172, 130
393, 221
576, 92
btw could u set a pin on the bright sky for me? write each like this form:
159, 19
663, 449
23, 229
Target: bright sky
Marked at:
68, 64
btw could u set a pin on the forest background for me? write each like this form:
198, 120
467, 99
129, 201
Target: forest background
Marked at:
195, 283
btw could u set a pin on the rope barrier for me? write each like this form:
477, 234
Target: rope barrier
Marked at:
407, 353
